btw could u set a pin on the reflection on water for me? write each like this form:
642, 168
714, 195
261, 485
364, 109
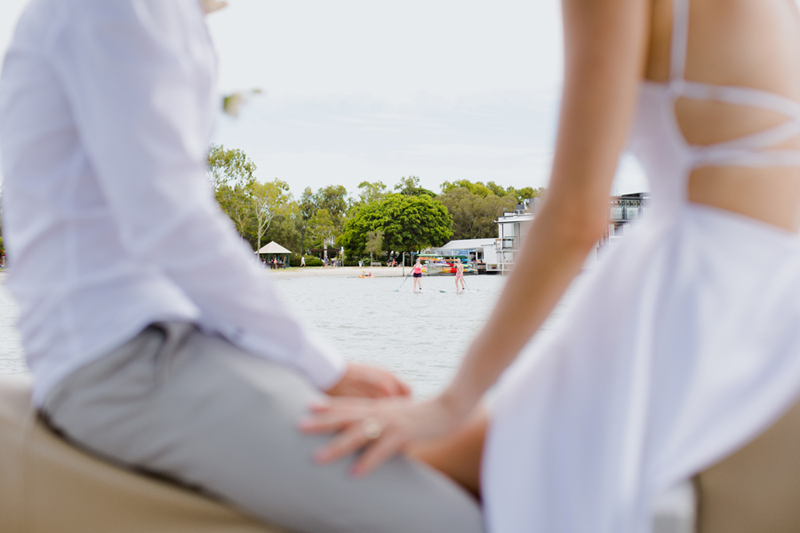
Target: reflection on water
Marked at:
421, 337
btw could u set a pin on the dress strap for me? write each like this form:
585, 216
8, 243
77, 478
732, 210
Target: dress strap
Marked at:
745, 158
680, 39
744, 96
762, 140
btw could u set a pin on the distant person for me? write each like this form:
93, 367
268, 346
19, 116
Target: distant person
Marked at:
302, 260
156, 341
460, 276
416, 273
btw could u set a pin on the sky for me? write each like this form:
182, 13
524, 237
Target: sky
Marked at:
359, 90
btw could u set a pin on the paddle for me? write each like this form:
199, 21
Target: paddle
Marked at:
401, 285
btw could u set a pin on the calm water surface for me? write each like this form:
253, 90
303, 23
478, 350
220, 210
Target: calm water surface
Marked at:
419, 336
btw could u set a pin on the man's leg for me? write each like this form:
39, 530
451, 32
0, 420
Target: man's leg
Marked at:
199, 410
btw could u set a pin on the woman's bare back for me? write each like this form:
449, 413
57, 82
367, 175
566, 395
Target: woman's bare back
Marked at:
743, 43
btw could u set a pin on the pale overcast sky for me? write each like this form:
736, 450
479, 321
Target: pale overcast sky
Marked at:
362, 90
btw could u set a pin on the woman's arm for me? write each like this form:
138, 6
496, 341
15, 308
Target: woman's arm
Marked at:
605, 45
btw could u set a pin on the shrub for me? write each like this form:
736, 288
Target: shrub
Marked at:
312, 261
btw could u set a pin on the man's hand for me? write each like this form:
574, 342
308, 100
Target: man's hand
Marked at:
369, 382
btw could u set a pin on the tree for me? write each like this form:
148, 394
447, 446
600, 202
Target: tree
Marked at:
496, 189
226, 166
408, 223
231, 176
323, 229
333, 199
307, 210
233, 200
374, 242
371, 192
477, 188
267, 201
473, 215
527, 193
410, 187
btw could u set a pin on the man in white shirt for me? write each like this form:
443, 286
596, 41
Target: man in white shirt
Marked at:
154, 338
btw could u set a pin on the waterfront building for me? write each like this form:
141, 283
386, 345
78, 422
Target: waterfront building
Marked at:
511, 229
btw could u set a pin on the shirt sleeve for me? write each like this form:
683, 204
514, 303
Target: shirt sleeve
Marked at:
139, 77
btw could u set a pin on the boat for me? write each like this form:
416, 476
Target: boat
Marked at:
439, 264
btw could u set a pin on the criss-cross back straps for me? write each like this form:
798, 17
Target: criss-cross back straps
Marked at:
750, 150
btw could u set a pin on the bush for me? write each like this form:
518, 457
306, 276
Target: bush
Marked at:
312, 261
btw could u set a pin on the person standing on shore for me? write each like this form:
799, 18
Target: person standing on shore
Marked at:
156, 340
416, 273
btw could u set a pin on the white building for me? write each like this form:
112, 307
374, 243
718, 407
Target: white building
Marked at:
481, 252
511, 229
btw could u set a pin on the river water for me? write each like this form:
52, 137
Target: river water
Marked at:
420, 336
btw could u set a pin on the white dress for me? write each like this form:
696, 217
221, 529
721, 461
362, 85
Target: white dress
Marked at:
683, 345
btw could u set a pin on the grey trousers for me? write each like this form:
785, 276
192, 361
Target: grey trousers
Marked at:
196, 409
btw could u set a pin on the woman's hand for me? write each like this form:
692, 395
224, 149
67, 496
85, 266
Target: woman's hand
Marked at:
382, 427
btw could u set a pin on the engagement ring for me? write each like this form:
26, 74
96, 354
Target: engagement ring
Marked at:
372, 428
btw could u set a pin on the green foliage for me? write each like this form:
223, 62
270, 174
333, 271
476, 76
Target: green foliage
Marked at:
294, 260
374, 242
475, 206
229, 166
410, 187
251, 205
322, 229
496, 189
409, 219
479, 189
408, 223
333, 199
233, 199
527, 193
267, 201
371, 192
474, 215
231, 175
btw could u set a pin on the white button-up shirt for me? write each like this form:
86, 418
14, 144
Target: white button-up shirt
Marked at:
106, 111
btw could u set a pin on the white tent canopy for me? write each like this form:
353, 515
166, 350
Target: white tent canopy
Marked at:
273, 248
